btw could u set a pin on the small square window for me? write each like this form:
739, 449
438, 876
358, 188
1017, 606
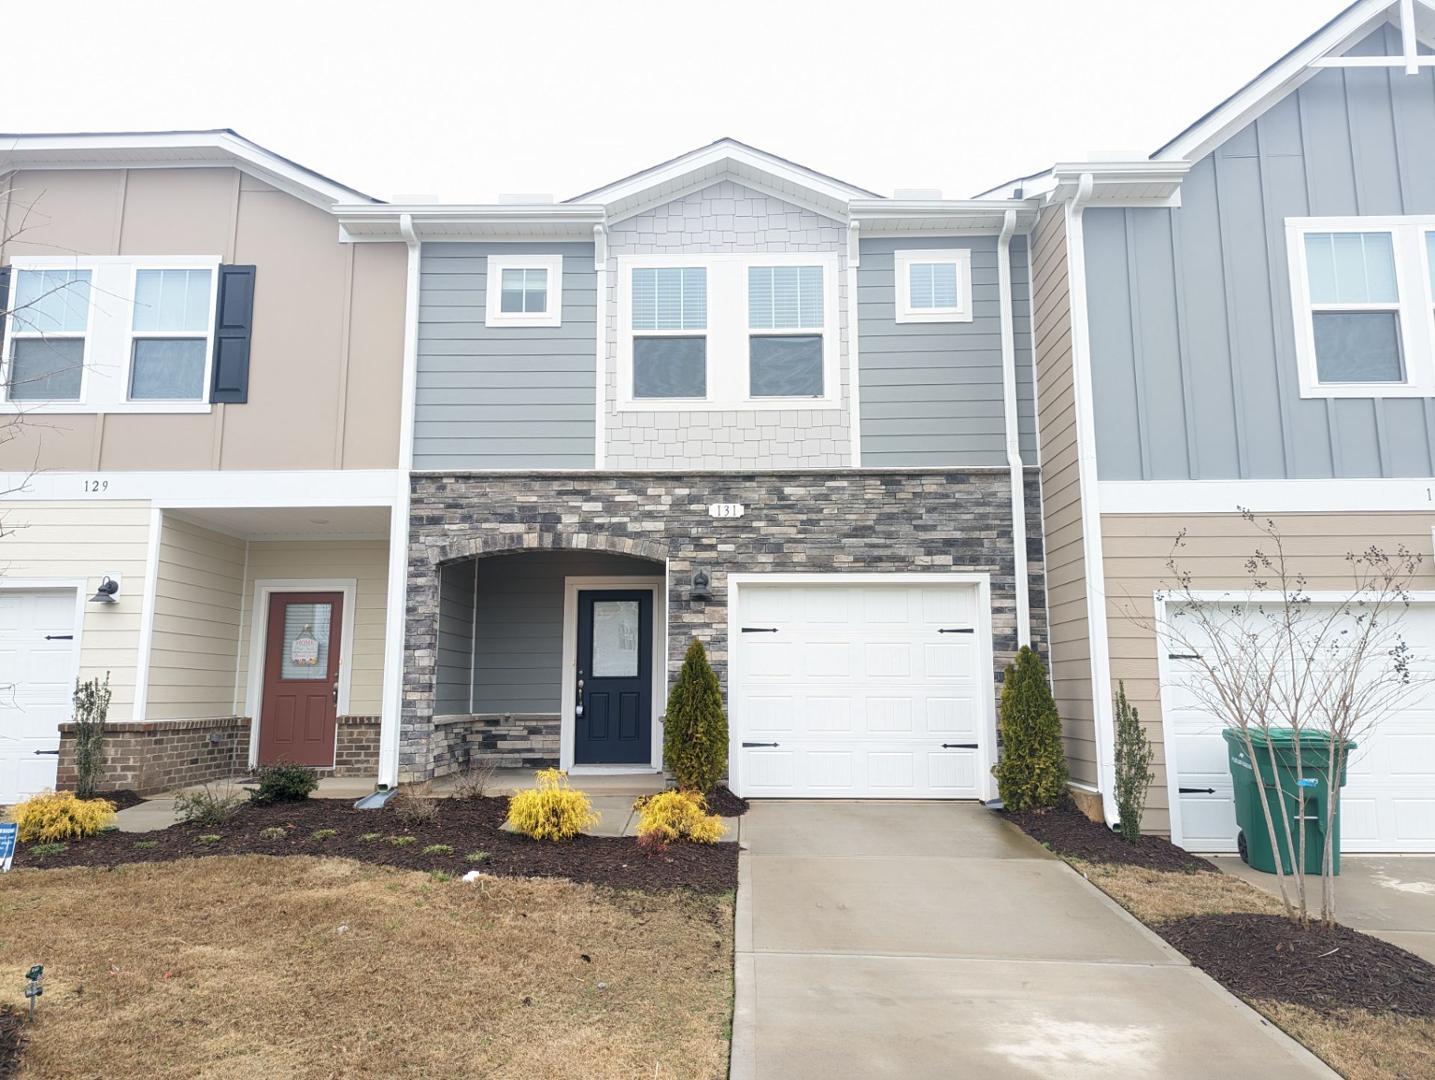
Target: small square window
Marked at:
933, 286
524, 290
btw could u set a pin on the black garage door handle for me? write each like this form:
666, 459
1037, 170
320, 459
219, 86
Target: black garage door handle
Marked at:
747, 744
1195, 791
56, 753
958, 630
959, 746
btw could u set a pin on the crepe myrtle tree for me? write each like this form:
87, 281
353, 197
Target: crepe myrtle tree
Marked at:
1275, 655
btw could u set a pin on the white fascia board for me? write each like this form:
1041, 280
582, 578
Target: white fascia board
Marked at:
1121, 183
216, 489
172, 150
1278, 80
879, 217
720, 154
1267, 496
545, 221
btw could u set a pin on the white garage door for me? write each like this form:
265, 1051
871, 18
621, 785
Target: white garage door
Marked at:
37, 679
1388, 804
860, 691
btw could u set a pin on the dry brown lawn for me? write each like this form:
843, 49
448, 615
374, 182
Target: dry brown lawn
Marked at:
1358, 1044
240, 967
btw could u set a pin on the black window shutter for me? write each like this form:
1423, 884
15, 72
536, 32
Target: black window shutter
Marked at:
4, 298
233, 325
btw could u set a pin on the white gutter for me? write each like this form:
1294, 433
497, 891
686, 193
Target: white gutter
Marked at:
854, 368
396, 614
1013, 435
1103, 723
600, 395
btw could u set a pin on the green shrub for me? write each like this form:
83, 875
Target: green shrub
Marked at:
552, 810
60, 815
284, 783
695, 727
438, 849
477, 856
369, 837
92, 707
1031, 774
273, 832
403, 841
54, 847
1133, 767
323, 834
206, 806
208, 838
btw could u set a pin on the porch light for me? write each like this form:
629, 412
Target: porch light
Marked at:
106, 593
702, 586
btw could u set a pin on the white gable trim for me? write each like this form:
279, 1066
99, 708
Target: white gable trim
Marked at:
697, 182
1277, 81
173, 150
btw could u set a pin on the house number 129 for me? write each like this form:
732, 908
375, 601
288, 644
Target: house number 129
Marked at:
95, 487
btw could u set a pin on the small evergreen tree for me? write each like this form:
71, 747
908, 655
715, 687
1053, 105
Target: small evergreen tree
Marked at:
1133, 767
695, 728
1031, 774
92, 708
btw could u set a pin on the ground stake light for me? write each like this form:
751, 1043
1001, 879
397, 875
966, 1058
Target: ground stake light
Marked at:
33, 988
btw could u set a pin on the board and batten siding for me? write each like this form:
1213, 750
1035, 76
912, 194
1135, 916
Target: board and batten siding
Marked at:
1192, 332
198, 609
932, 393
504, 397
518, 648
83, 541
453, 688
1137, 546
1066, 588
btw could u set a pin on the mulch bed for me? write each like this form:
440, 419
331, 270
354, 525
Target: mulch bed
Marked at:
12, 1040
123, 800
1067, 831
724, 803
465, 825
1268, 956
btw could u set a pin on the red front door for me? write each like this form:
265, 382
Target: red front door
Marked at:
301, 679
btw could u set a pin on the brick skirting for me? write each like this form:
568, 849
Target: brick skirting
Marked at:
161, 754
356, 751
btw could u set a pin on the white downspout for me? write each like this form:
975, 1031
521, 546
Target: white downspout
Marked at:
1103, 724
600, 417
396, 615
1013, 435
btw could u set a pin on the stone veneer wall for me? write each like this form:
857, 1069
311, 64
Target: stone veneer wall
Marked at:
853, 520
505, 742
161, 754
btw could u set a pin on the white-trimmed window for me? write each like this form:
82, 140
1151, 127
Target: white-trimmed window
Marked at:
1364, 311
524, 290
934, 286
727, 331
110, 333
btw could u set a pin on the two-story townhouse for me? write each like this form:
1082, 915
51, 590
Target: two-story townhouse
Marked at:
1244, 320
200, 431
734, 399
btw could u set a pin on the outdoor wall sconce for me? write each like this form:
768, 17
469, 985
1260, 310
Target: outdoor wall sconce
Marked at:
108, 590
702, 586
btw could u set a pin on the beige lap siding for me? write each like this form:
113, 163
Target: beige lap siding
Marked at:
1136, 549
85, 540
1070, 652
199, 592
364, 560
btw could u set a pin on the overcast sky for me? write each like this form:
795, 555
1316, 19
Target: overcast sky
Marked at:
464, 100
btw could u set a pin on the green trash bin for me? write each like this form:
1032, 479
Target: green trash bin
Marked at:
1306, 806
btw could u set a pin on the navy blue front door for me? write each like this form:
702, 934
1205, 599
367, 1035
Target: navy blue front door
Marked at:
614, 715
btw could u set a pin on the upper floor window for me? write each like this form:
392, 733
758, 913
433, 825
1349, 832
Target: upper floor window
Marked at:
726, 331
113, 334
524, 290
1365, 316
934, 286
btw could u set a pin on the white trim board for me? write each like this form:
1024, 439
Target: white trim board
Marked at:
213, 488
567, 720
264, 588
1267, 496
982, 581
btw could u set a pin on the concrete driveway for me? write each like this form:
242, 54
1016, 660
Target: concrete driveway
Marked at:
1386, 896
935, 940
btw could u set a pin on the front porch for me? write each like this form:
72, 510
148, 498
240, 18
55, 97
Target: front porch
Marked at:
550, 658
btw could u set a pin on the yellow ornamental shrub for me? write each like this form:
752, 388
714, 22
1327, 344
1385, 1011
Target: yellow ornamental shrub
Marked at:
677, 815
61, 815
552, 810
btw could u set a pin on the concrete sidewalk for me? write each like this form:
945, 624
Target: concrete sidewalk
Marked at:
1386, 896
935, 940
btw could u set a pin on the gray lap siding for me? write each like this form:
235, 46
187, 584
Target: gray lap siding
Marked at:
928, 521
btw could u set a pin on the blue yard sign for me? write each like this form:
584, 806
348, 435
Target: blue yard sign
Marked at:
8, 831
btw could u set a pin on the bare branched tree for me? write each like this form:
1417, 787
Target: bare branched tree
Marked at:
1274, 659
